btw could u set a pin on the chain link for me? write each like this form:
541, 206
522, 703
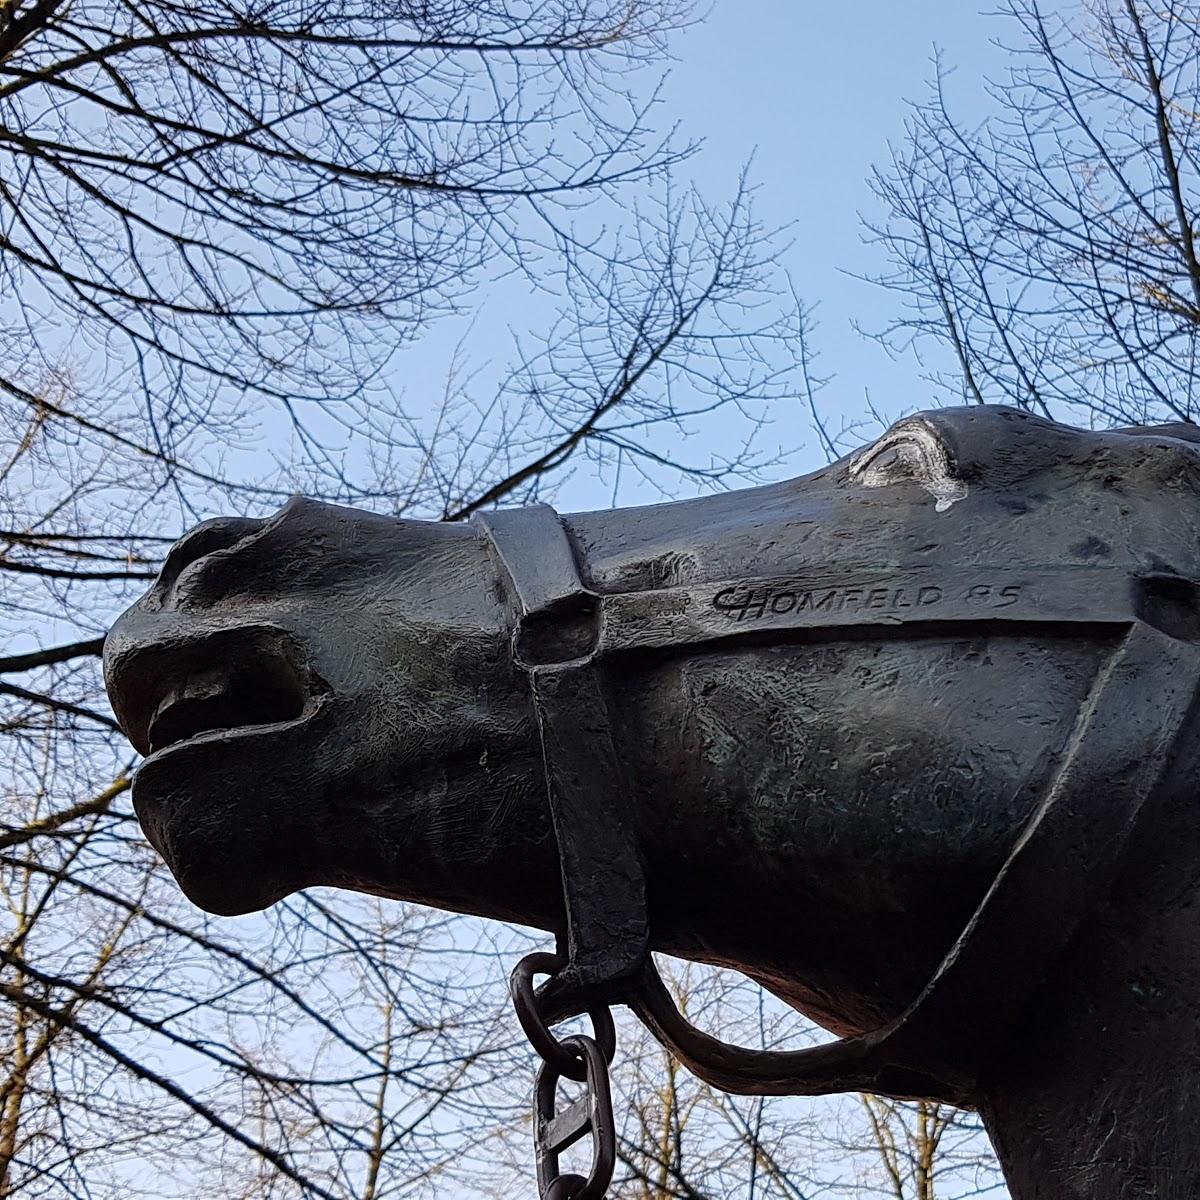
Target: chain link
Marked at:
582, 1059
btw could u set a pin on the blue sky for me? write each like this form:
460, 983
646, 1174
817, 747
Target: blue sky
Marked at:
810, 94
816, 91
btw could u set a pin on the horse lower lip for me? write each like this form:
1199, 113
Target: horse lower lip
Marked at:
229, 734
180, 723
177, 725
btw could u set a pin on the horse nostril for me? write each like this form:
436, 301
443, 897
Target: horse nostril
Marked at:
220, 533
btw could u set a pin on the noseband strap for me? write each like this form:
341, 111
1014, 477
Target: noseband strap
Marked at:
1061, 865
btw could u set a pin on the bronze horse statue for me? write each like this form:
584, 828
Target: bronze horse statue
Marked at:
910, 740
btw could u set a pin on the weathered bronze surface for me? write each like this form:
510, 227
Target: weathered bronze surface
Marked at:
946, 682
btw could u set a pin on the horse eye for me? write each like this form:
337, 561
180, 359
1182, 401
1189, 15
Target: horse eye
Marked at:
911, 451
906, 459
896, 461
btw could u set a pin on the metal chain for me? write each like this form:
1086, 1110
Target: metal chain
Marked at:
582, 1059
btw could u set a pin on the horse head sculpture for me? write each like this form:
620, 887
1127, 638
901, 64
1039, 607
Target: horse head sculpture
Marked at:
910, 740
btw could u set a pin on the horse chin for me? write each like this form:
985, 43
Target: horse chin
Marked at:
238, 815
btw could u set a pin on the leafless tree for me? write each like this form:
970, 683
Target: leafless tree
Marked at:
232, 200
218, 224
682, 1140
917, 1151
320, 1050
1047, 256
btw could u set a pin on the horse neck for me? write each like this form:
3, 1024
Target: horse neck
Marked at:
1094, 1097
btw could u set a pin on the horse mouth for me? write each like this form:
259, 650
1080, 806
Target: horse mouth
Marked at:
225, 701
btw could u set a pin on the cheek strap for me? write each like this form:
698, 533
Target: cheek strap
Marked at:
606, 939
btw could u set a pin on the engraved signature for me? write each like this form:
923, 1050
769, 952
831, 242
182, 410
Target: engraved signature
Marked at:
742, 602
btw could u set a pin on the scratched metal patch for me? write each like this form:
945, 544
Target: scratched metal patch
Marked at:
911, 452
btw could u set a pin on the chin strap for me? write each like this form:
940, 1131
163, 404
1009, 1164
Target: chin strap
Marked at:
1060, 866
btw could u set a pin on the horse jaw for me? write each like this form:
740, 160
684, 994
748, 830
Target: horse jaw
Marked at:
1093, 1098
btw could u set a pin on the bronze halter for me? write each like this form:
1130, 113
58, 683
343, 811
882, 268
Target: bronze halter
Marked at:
1130, 721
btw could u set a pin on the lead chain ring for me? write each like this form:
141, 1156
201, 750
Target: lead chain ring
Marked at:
582, 1059
549, 1048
